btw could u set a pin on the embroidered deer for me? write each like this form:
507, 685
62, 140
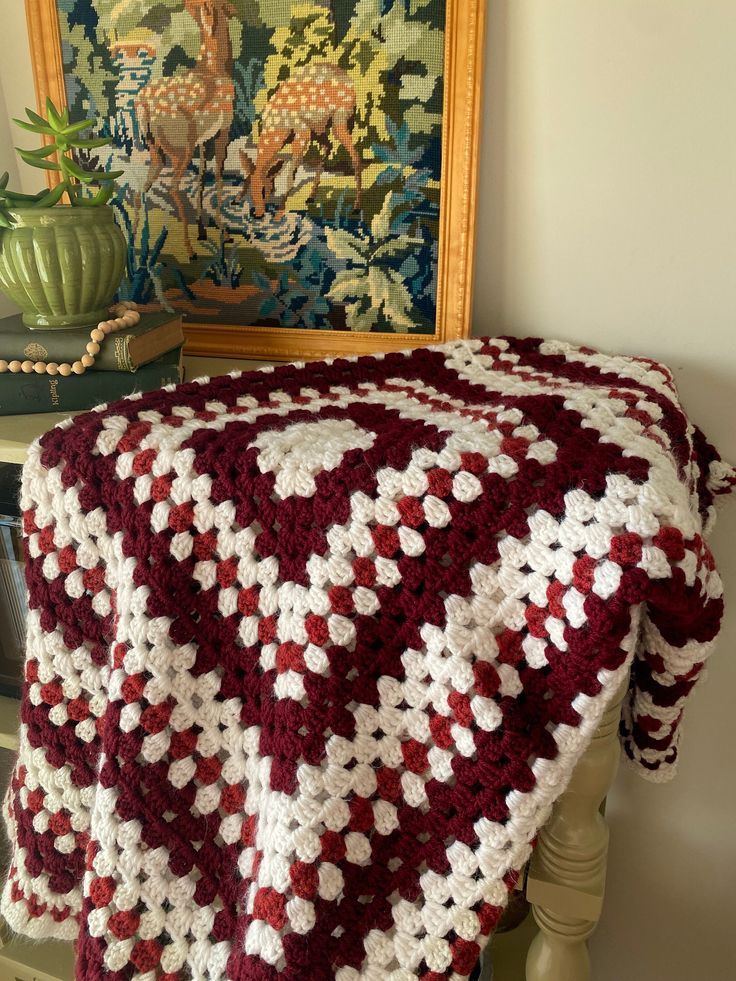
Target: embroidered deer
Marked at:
182, 113
316, 101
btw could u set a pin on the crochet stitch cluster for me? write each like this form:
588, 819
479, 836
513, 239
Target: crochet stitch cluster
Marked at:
313, 650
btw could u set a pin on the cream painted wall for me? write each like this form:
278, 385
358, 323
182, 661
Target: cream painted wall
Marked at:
9, 162
608, 216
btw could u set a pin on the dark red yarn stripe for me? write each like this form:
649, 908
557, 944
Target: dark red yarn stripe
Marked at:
295, 529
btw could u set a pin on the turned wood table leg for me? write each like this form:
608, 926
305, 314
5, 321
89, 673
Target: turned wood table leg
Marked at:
568, 870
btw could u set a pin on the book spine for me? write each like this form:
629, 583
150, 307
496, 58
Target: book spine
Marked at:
124, 351
25, 394
114, 354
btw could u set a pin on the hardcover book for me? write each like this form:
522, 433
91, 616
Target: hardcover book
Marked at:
126, 350
21, 394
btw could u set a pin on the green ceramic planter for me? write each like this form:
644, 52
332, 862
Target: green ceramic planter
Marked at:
62, 265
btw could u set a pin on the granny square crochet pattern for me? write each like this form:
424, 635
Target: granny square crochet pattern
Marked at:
312, 651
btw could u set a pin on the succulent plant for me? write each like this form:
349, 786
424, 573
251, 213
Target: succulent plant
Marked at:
57, 155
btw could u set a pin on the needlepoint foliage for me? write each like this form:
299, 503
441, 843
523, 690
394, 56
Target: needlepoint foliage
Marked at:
281, 160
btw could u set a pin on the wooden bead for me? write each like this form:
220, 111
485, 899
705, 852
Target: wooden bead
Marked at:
87, 360
98, 334
3, 364
78, 368
40, 367
14, 366
93, 348
107, 328
26, 367
65, 369
52, 368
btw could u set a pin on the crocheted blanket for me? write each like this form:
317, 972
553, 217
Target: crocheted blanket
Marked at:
312, 651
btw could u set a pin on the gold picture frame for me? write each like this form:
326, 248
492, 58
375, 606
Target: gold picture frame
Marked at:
461, 121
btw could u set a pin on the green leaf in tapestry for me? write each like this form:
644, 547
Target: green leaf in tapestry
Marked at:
347, 246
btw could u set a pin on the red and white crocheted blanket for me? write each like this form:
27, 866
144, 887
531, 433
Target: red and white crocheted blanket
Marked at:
312, 651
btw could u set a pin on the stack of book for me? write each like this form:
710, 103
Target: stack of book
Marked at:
140, 359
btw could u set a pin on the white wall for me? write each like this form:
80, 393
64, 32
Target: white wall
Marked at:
608, 216
16, 84
8, 162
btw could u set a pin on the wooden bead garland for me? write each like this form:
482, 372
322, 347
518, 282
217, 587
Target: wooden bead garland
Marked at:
126, 315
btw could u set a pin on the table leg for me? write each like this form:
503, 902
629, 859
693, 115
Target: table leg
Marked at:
568, 870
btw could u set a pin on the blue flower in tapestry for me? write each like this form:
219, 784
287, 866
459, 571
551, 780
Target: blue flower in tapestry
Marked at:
282, 159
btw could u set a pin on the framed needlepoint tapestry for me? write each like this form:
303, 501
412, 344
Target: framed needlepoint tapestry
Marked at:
299, 176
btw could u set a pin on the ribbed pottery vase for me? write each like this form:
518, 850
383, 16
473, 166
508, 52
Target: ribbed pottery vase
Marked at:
62, 265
